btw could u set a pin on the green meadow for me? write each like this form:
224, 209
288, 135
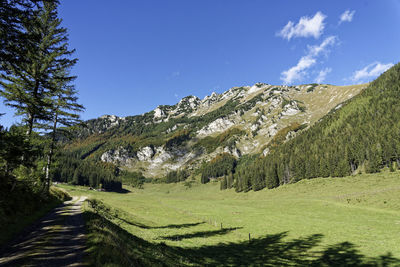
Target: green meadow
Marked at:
352, 221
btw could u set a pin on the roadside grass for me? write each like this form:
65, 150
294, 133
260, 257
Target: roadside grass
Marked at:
34, 208
111, 245
352, 220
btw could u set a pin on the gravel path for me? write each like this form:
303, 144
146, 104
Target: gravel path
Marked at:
58, 239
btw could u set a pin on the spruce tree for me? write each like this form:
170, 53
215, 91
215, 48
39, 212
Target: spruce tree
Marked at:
28, 83
12, 37
229, 183
63, 112
223, 183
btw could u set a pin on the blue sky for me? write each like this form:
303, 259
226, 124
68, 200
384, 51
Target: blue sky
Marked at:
135, 55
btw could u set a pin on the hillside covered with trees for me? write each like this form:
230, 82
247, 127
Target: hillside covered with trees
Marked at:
361, 135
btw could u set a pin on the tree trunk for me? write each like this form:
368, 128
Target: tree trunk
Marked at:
30, 125
31, 118
50, 155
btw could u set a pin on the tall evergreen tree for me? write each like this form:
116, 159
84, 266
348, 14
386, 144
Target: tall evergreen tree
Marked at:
229, 182
223, 183
12, 37
63, 112
28, 84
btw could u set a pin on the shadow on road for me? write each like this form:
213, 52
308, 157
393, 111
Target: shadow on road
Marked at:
57, 240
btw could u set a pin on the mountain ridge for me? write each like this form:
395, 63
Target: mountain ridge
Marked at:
239, 121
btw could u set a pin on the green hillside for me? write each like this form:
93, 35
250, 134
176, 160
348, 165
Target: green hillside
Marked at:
360, 135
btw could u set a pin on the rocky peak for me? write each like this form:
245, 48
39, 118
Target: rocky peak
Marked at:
210, 98
188, 103
159, 113
112, 118
101, 124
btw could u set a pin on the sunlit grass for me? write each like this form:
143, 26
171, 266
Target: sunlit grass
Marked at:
363, 210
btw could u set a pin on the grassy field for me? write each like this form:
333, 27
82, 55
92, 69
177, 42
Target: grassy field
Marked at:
313, 221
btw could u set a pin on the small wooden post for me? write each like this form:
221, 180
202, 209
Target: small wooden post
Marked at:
221, 225
249, 237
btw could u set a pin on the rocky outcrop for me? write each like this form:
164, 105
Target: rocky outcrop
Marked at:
119, 156
275, 102
161, 156
112, 120
290, 111
272, 130
209, 100
173, 159
258, 87
233, 151
189, 102
145, 153
159, 113
219, 125
100, 125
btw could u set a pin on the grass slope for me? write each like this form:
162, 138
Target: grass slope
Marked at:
357, 215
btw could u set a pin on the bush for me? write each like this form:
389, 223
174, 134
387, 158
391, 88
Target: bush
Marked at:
134, 179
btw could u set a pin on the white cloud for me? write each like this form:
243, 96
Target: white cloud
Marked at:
298, 72
347, 16
306, 27
322, 75
370, 71
315, 50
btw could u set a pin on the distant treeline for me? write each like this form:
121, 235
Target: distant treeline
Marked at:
222, 164
361, 135
72, 169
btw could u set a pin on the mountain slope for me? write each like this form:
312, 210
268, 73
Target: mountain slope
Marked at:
362, 136
242, 120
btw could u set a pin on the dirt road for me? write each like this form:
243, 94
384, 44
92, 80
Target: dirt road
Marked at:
57, 240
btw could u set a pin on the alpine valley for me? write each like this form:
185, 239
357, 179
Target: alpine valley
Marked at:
299, 174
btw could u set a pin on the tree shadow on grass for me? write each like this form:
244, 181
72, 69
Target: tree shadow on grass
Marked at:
171, 226
177, 226
275, 250
110, 244
270, 250
203, 234
122, 191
